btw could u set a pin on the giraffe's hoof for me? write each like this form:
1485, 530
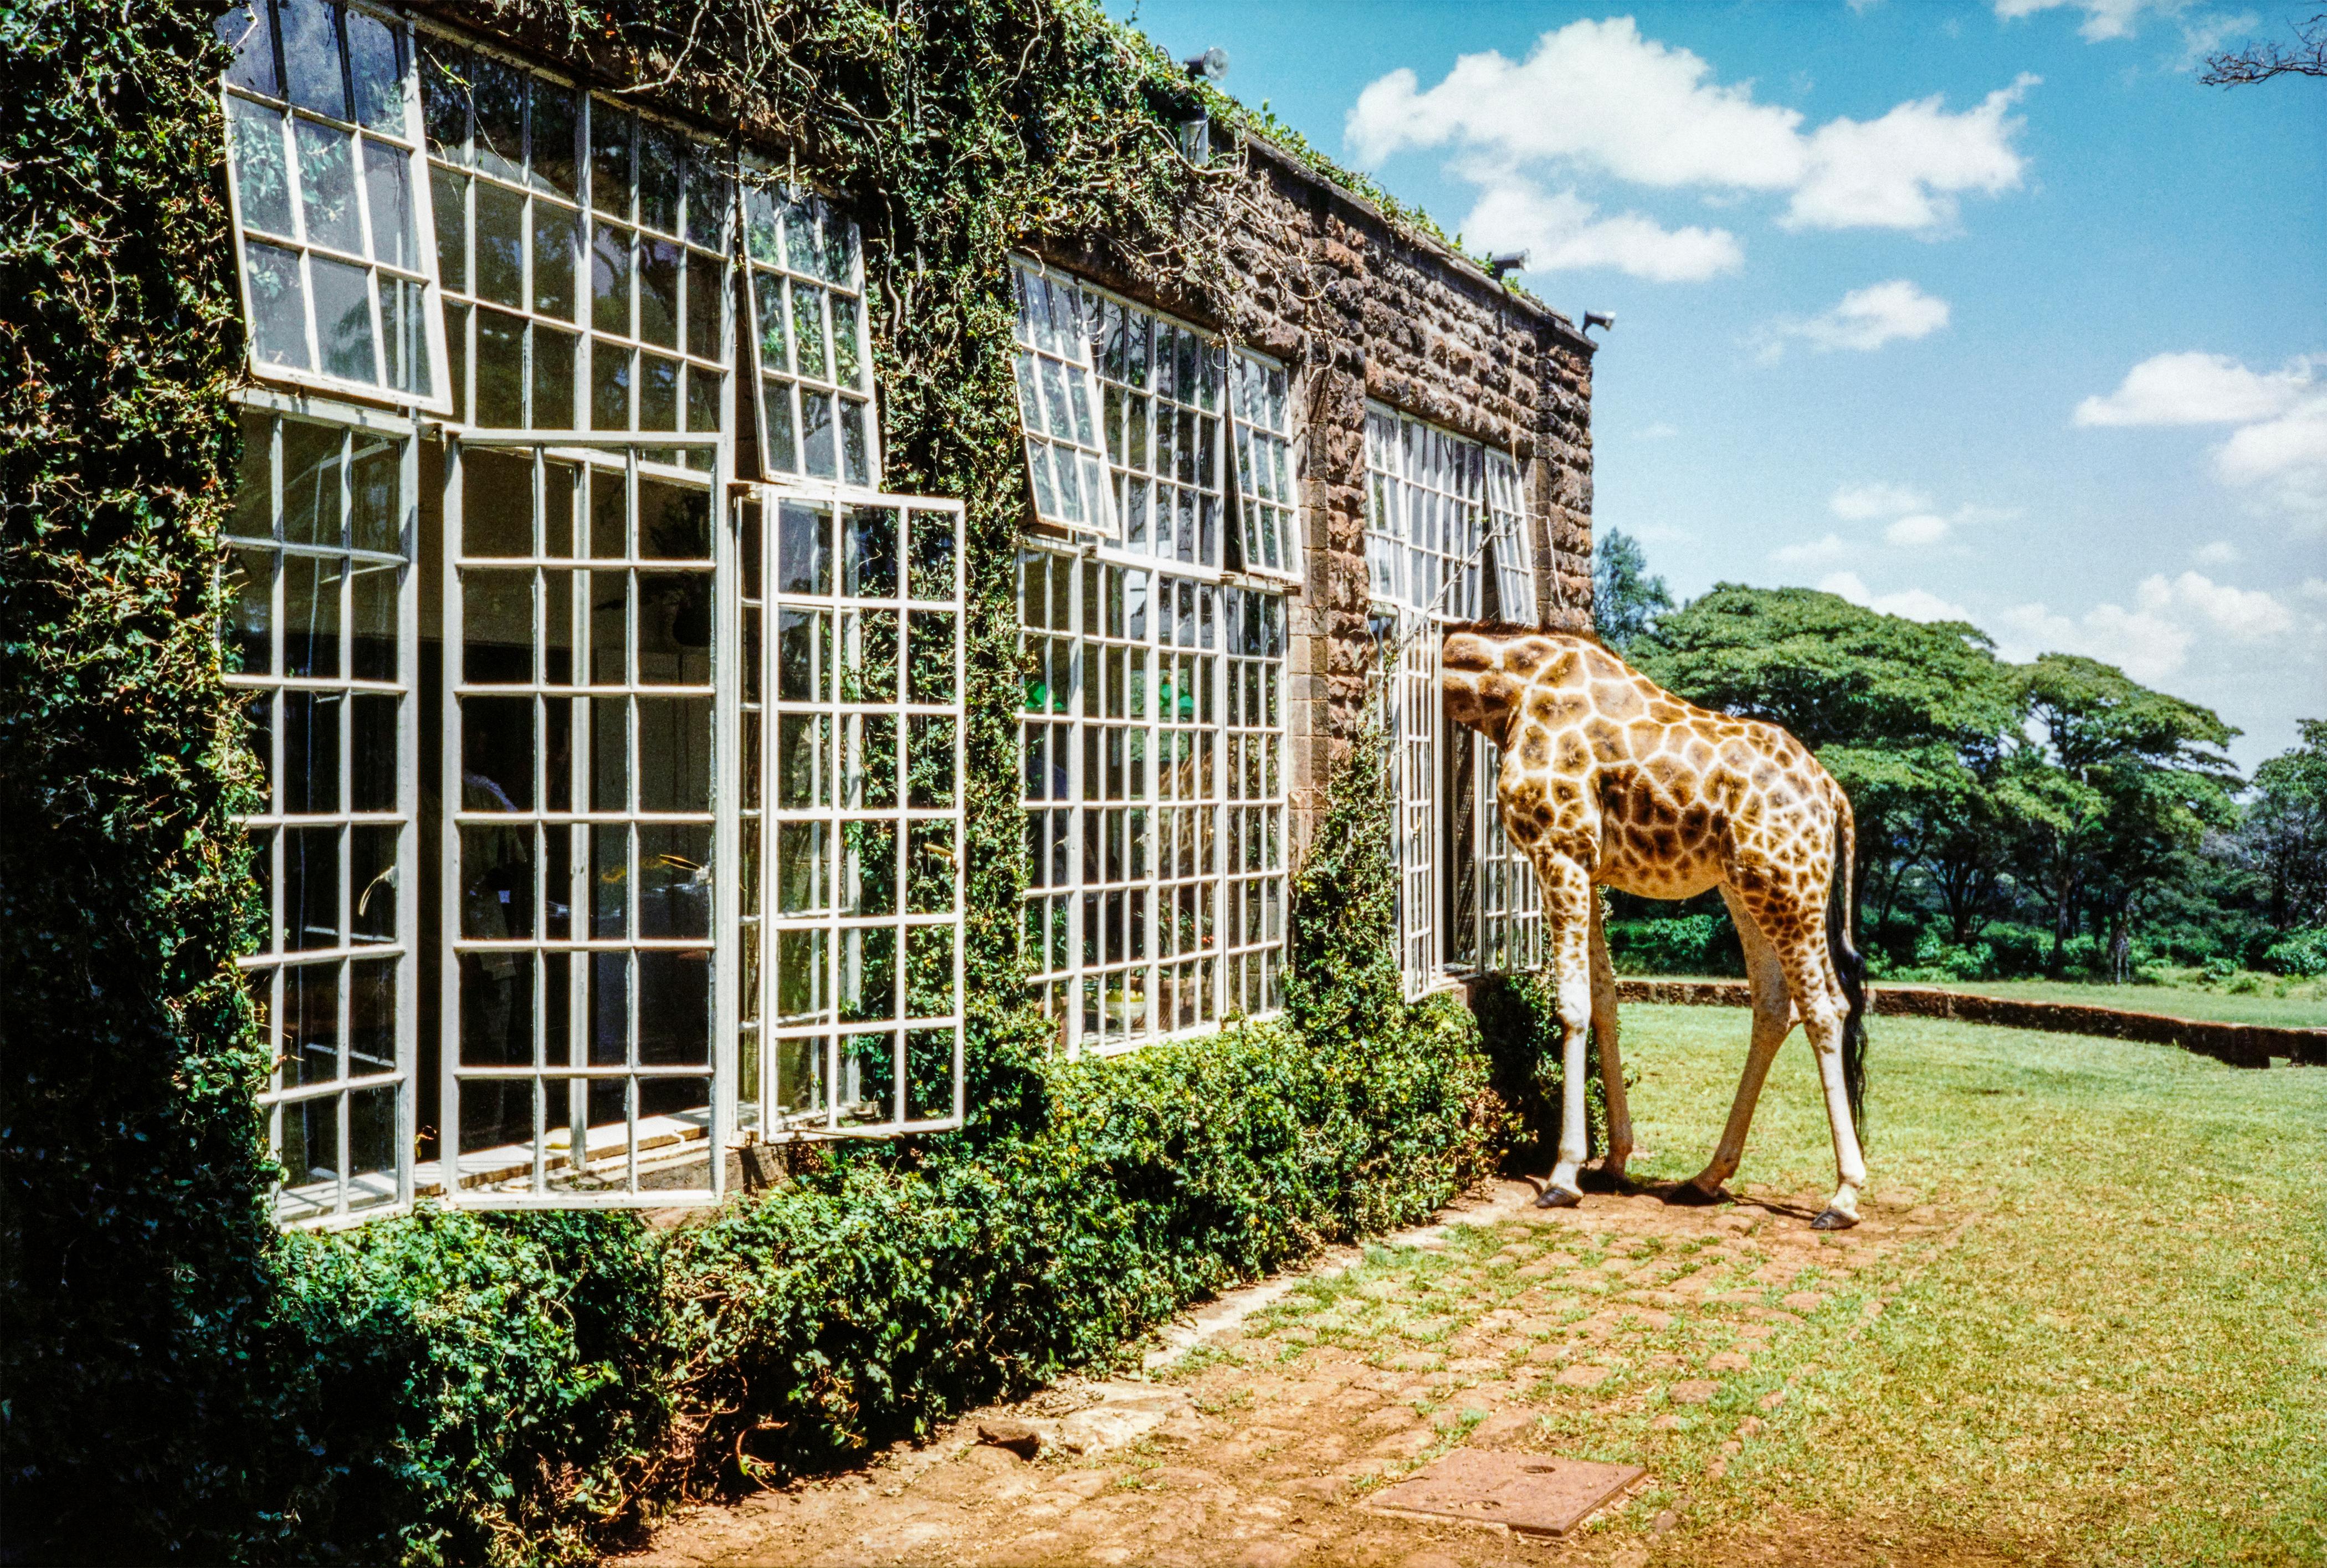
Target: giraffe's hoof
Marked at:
1833, 1219
1558, 1198
1689, 1195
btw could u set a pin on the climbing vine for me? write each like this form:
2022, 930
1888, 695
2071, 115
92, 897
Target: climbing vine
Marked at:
447, 1387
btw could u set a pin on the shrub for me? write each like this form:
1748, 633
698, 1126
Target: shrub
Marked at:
1689, 945
2299, 954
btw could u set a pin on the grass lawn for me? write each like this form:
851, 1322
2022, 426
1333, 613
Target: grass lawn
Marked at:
2304, 1005
2123, 1360
2108, 1344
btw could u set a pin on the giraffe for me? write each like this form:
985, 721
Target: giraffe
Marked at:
1607, 779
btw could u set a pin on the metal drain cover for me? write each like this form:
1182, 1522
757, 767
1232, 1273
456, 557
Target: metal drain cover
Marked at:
1533, 1494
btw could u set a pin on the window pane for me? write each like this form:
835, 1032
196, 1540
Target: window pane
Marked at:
278, 305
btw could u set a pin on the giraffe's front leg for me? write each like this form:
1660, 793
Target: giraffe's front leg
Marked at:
1567, 912
1611, 1064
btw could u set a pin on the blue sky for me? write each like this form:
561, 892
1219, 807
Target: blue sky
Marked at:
1978, 310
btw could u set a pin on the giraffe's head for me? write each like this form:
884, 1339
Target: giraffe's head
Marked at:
1486, 666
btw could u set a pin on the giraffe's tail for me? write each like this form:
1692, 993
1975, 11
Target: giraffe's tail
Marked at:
1849, 964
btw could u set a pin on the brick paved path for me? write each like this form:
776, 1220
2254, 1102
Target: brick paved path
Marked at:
1627, 1329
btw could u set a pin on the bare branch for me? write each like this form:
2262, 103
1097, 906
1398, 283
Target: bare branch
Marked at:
2261, 61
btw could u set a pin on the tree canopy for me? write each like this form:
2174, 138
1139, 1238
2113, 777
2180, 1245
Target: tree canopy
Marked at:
2059, 803
1625, 600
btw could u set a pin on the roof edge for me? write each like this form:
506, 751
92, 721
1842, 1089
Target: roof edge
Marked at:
1422, 239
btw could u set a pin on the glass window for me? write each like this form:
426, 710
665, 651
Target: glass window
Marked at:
1417, 714
337, 256
810, 336
1152, 782
585, 252
1268, 506
853, 617
318, 577
580, 828
1438, 506
1164, 392
1058, 401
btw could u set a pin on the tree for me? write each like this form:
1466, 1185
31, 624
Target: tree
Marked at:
1625, 600
2261, 61
2282, 836
1909, 718
2137, 779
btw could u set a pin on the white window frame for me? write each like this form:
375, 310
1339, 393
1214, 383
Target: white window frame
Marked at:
700, 237
1510, 935
1268, 497
1146, 951
1436, 500
1056, 368
237, 27
520, 1175
1417, 714
790, 261
347, 1198
801, 917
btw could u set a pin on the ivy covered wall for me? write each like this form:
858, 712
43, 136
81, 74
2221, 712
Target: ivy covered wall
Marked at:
181, 1380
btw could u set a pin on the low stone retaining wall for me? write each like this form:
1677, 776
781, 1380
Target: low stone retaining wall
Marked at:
2238, 1044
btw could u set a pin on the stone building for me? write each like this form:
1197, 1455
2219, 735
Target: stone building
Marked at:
566, 580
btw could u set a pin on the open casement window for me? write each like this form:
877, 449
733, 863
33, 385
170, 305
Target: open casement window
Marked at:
320, 632
583, 887
853, 620
1165, 396
1058, 401
1509, 555
1494, 910
810, 335
1444, 530
1417, 716
334, 243
1267, 505
587, 252
1153, 787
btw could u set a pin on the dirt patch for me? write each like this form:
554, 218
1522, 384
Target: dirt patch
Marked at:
1626, 1331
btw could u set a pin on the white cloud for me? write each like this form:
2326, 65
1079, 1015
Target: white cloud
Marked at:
2242, 614
2103, 18
2196, 389
1912, 603
1561, 232
1660, 430
1916, 531
2220, 553
1865, 320
1598, 95
2278, 455
1597, 99
1816, 553
2203, 35
1860, 503
1905, 170
2152, 640
2314, 588
2283, 460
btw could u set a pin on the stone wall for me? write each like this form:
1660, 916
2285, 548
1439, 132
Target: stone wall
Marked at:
1364, 307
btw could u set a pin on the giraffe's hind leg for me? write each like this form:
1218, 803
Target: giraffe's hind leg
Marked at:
1818, 1000
1611, 1065
1773, 1017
